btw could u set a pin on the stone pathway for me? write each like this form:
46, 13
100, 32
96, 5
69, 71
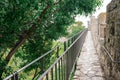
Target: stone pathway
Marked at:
88, 65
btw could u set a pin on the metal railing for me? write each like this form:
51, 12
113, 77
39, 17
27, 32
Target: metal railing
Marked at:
62, 67
106, 51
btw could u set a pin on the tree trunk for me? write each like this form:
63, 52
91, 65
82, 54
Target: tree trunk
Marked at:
26, 36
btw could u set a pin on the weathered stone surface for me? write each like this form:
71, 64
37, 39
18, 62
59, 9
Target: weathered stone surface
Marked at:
84, 78
101, 25
112, 41
88, 64
98, 78
75, 77
77, 73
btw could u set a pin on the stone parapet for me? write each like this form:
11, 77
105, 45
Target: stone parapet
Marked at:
112, 42
108, 35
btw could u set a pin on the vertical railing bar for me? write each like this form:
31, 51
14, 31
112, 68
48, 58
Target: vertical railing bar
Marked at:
56, 72
42, 65
72, 40
69, 59
66, 65
59, 69
12, 78
64, 46
72, 55
52, 74
68, 43
47, 76
62, 68
57, 53
15, 76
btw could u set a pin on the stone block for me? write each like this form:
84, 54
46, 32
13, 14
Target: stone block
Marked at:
98, 78
117, 28
117, 14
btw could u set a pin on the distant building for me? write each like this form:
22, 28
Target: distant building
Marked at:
93, 26
101, 25
97, 27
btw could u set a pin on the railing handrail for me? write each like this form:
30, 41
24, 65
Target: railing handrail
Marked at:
29, 64
41, 77
114, 61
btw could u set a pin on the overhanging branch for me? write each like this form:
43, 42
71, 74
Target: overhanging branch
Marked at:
28, 33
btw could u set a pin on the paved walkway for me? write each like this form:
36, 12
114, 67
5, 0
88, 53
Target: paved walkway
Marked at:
88, 66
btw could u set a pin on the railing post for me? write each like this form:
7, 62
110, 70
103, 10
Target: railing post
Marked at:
62, 69
72, 39
64, 46
56, 72
57, 53
47, 76
59, 69
68, 43
52, 76
64, 65
42, 66
67, 66
15, 76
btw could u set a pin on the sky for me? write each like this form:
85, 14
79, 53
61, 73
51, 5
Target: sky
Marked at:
102, 9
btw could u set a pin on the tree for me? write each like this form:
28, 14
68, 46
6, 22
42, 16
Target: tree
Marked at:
28, 23
75, 28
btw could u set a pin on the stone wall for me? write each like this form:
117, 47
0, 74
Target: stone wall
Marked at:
112, 42
97, 27
108, 35
101, 25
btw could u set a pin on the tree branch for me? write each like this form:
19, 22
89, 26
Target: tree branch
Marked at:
29, 32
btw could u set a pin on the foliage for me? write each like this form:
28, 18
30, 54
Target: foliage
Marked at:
75, 28
41, 20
